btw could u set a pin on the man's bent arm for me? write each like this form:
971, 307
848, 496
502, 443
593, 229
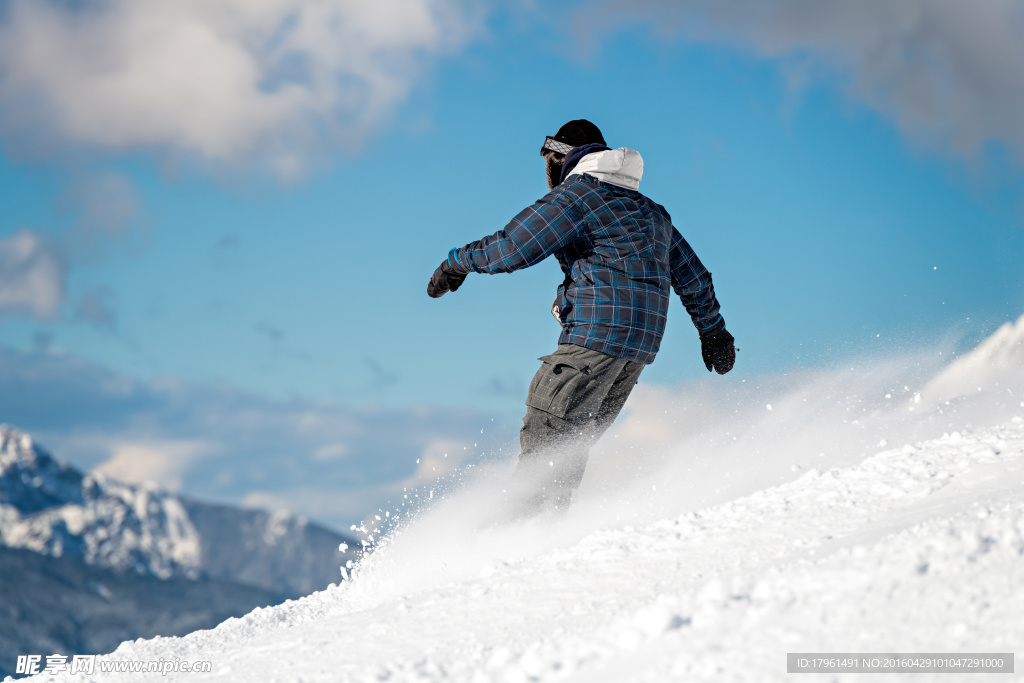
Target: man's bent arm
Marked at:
534, 234
692, 282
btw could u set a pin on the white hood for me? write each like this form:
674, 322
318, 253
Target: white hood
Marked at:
623, 167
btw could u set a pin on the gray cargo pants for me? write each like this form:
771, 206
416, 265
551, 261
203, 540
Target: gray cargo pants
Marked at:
574, 397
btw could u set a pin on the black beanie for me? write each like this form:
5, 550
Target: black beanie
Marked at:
574, 134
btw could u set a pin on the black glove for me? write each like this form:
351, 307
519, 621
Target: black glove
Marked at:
447, 278
716, 346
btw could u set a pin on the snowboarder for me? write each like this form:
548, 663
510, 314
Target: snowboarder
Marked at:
620, 254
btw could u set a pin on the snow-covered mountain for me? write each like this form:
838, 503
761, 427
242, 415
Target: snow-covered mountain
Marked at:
913, 546
51, 508
87, 562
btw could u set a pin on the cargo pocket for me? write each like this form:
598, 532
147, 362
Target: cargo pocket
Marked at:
558, 384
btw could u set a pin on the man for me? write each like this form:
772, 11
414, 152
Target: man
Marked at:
620, 254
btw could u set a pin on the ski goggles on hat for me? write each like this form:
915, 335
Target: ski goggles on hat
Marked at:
553, 145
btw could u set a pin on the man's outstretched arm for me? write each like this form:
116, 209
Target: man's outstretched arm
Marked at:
692, 282
534, 234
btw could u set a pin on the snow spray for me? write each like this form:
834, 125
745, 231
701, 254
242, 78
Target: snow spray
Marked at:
677, 451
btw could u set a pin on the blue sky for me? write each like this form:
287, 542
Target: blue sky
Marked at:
243, 207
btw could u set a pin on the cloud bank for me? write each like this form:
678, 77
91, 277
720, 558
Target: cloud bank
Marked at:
327, 461
947, 72
229, 81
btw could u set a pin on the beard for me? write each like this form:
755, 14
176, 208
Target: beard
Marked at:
554, 169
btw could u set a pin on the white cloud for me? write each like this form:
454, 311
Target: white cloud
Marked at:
232, 81
160, 462
35, 265
31, 275
33, 271
946, 71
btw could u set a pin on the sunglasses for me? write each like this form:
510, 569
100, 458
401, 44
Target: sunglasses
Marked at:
553, 145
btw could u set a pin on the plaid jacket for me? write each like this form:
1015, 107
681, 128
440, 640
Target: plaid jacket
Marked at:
619, 252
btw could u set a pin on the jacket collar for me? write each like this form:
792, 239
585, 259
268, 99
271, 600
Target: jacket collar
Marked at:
575, 155
623, 167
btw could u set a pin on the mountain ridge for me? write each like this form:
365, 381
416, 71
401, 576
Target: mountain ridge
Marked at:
51, 508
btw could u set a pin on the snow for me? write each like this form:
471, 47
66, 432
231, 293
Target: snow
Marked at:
878, 509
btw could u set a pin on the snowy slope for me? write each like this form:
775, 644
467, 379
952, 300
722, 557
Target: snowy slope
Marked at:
997, 365
908, 544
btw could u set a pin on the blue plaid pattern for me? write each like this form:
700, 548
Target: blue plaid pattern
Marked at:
620, 254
